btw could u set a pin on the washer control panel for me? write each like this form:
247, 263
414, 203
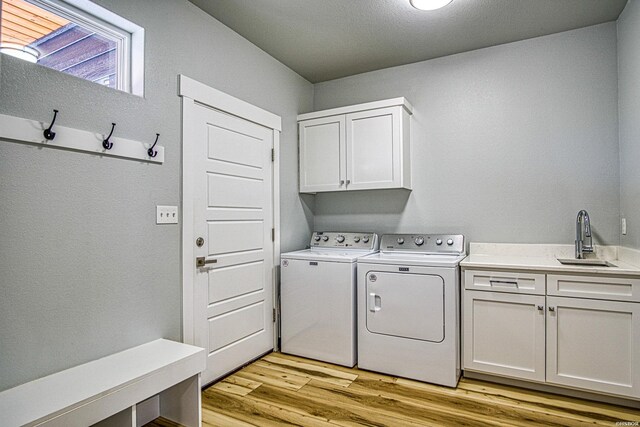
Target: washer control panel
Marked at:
423, 243
331, 239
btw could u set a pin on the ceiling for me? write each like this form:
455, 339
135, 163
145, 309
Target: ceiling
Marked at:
328, 39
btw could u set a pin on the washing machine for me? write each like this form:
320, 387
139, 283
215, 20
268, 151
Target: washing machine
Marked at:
409, 307
318, 297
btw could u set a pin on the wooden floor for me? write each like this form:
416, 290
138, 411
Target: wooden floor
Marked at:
284, 390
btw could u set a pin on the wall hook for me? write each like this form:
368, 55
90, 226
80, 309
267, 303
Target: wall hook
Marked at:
150, 151
48, 135
105, 142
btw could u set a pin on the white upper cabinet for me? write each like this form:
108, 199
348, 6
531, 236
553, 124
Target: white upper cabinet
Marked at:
361, 147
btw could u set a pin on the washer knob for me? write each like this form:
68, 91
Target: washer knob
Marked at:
317, 238
356, 239
400, 240
450, 242
438, 242
340, 239
365, 239
325, 238
419, 241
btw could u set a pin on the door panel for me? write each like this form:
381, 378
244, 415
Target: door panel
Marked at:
226, 329
504, 334
373, 149
235, 236
239, 191
233, 212
235, 147
405, 305
594, 345
322, 154
234, 281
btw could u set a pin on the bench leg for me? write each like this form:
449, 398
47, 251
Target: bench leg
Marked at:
182, 402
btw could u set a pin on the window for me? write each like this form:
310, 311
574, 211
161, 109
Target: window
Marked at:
76, 37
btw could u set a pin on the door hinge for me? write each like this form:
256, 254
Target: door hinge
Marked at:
273, 155
274, 315
273, 234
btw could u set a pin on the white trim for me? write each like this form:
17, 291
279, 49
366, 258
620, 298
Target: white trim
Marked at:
188, 254
221, 101
359, 107
192, 91
17, 129
276, 243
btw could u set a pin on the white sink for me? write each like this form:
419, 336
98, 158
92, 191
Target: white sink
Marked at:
592, 262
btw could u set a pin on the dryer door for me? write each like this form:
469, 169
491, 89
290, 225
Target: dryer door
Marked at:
405, 305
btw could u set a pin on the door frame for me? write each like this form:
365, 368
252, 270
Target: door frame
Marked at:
193, 92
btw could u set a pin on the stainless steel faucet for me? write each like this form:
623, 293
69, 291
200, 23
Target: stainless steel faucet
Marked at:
584, 242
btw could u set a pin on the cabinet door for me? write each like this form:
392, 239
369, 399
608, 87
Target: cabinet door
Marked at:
374, 152
594, 345
322, 154
504, 334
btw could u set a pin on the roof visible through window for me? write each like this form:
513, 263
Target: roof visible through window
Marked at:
58, 43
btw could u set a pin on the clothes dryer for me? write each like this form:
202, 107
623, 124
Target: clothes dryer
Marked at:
409, 307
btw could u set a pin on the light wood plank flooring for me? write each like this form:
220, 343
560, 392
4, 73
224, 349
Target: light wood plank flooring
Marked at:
282, 390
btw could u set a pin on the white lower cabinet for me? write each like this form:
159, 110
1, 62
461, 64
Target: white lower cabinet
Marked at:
586, 343
594, 345
504, 334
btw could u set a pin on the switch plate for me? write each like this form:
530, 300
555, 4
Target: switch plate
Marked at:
166, 214
624, 226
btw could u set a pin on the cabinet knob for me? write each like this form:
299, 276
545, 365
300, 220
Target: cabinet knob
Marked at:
348, 181
342, 182
552, 309
541, 307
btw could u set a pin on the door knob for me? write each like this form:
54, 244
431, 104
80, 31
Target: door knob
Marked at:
199, 242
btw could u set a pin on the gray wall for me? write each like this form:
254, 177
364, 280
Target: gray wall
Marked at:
629, 112
508, 142
84, 270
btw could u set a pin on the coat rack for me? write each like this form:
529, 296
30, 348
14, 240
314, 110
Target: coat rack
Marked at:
18, 129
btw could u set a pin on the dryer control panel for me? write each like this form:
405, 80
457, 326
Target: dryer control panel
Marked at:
428, 244
332, 239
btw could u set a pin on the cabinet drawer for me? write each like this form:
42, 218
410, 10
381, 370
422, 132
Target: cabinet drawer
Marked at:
594, 287
505, 281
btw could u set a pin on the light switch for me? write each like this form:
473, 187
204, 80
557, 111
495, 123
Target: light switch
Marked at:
166, 214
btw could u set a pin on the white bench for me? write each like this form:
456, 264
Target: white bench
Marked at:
130, 388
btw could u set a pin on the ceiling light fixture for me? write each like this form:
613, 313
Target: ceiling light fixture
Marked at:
429, 4
23, 52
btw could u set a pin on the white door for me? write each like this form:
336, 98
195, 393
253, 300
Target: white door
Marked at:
374, 149
233, 214
405, 305
322, 154
504, 334
594, 345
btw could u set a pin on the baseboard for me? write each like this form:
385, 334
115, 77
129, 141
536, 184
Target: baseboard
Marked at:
597, 397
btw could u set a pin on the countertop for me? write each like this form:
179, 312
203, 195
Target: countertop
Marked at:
540, 257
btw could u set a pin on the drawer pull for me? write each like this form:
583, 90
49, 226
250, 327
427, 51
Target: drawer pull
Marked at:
503, 283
